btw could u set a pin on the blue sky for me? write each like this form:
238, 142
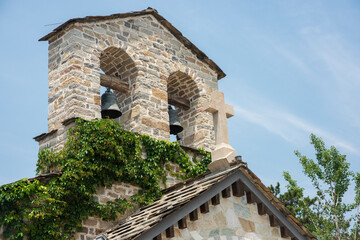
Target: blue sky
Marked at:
293, 68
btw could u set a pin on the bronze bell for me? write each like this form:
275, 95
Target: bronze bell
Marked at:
175, 126
109, 107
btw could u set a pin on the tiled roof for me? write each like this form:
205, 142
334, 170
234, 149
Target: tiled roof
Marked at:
178, 198
150, 11
277, 203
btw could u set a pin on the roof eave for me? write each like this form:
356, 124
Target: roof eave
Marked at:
251, 183
216, 189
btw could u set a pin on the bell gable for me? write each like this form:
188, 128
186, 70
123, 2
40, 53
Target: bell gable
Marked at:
146, 62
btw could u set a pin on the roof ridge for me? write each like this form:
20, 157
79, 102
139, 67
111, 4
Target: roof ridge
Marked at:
174, 31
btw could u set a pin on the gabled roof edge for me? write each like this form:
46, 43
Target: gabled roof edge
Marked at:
293, 228
187, 208
187, 43
217, 188
251, 183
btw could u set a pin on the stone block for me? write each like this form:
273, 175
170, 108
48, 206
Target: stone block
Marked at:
218, 165
97, 100
223, 151
90, 222
247, 225
157, 125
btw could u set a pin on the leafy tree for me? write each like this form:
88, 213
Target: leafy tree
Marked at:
326, 215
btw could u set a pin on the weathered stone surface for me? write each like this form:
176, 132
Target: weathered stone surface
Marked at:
158, 125
159, 94
90, 222
228, 221
153, 65
142, 53
135, 112
97, 100
248, 226
223, 152
219, 164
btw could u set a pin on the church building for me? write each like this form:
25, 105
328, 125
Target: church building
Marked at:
162, 84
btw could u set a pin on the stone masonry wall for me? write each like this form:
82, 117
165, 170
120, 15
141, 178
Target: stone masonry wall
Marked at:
55, 140
94, 225
142, 52
156, 66
232, 219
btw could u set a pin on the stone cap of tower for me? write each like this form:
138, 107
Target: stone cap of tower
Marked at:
149, 11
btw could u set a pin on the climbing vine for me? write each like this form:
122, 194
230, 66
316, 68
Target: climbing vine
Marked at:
97, 153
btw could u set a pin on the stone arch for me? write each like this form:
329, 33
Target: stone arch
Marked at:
184, 93
117, 63
181, 85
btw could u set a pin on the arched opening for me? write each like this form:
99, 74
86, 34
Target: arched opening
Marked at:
182, 93
118, 71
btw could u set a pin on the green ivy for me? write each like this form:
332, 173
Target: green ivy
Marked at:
97, 153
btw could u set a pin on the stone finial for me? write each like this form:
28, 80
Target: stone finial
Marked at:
223, 153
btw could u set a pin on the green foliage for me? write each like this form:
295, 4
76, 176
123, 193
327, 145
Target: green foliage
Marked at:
97, 153
295, 200
325, 214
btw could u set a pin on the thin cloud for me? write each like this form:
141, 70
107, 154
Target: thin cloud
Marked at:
342, 64
293, 58
338, 86
327, 61
262, 120
309, 128
289, 127
335, 54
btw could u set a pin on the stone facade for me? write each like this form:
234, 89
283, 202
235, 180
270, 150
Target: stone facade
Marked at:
56, 138
94, 225
152, 61
155, 65
232, 219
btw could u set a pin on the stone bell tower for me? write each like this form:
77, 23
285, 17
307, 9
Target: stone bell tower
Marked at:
145, 60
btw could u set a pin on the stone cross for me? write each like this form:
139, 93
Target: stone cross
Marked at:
223, 153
